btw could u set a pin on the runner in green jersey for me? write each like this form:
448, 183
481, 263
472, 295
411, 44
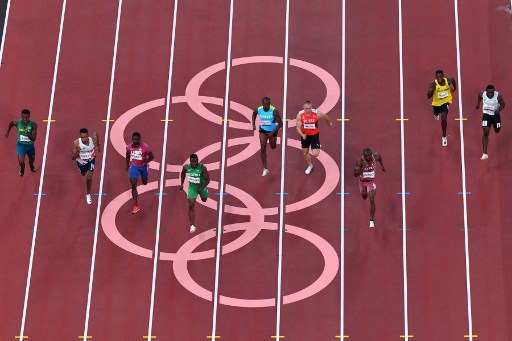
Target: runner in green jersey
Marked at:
198, 179
27, 133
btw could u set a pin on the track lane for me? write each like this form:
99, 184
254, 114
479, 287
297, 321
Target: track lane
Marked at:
485, 61
33, 30
176, 308
373, 261
122, 281
62, 263
437, 273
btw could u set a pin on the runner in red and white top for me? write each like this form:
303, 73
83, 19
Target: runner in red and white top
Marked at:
139, 155
84, 152
365, 170
307, 128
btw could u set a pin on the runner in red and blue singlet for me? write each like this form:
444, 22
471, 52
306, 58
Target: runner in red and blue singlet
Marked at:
365, 170
139, 154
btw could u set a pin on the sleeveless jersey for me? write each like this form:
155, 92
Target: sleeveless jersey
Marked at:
86, 151
138, 155
368, 173
267, 121
490, 104
23, 132
309, 122
195, 175
442, 94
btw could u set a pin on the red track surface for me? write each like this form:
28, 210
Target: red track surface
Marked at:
373, 273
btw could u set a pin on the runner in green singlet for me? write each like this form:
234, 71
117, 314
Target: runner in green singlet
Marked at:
198, 179
27, 133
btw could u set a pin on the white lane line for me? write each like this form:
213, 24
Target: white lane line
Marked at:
102, 178
162, 171
5, 30
43, 167
281, 196
402, 152
463, 169
222, 184
342, 166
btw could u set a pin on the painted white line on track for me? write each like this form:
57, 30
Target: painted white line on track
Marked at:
5, 30
404, 191
463, 170
43, 167
102, 177
281, 195
162, 170
222, 167
342, 172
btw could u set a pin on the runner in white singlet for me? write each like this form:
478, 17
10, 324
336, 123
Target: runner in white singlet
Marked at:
493, 104
84, 152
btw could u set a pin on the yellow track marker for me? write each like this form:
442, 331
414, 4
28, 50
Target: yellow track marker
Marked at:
166, 120
343, 119
107, 120
277, 337
85, 337
21, 337
461, 119
468, 336
228, 119
48, 121
401, 119
288, 119
344, 336
149, 337
213, 337
404, 336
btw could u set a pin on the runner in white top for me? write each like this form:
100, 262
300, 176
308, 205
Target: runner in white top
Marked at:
493, 104
84, 152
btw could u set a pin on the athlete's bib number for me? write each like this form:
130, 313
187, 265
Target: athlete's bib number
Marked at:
489, 109
24, 138
442, 94
136, 155
266, 123
368, 175
309, 126
194, 179
85, 155
484, 123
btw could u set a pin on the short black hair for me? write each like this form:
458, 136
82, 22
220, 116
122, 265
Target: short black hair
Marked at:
84, 131
265, 100
307, 102
490, 87
367, 151
193, 157
439, 72
25, 112
136, 133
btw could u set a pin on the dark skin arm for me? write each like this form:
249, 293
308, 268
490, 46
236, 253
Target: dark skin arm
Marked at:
378, 157
149, 159
96, 141
182, 176
76, 150
11, 124
480, 99
432, 86
254, 114
206, 179
127, 160
32, 136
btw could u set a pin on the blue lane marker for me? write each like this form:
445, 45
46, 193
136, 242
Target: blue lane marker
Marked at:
98, 194
344, 193
279, 193
42, 194
163, 193
218, 193
406, 193
463, 192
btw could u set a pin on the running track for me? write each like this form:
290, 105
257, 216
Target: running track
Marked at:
365, 299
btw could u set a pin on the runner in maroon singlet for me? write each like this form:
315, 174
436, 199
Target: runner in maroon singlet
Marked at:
365, 170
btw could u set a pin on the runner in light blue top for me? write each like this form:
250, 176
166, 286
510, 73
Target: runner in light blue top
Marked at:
270, 123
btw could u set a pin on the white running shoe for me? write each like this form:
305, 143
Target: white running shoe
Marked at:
88, 199
484, 157
192, 229
265, 172
372, 224
308, 170
445, 141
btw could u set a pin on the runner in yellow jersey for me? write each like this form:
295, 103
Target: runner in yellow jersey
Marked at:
440, 90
